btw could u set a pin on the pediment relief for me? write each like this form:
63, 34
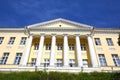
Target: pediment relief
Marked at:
59, 23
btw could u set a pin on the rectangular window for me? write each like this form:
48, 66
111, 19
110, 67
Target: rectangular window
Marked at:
23, 40
18, 58
33, 62
1, 40
85, 63
102, 60
46, 62
109, 41
59, 47
36, 46
97, 41
48, 46
116, 59
83, 47
4, 58
11, 41
71, 47
59, 63
72, 62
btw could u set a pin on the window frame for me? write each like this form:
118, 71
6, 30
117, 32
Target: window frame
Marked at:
83, 47
18, 58
1, 39
46, 62
109, 41
36, 46
59, 62
97, 41
71, 47
102, 60
59, 46
85, 63
116, 59
4, 58
72, 62
33, 62
11, 40
23, 40
48, 46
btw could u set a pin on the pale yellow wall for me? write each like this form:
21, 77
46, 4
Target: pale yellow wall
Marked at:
106, 49
17, 48
12, 49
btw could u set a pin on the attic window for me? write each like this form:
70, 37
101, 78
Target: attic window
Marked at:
60, 25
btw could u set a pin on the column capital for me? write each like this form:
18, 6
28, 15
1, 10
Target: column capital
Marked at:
77, 34
53, 34
65, 34
89, 35
30, 35
42, 34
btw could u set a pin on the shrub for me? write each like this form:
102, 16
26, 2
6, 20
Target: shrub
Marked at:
59, 76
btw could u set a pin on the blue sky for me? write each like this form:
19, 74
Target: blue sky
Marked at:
98, 13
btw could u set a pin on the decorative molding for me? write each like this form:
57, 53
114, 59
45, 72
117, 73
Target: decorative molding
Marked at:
99, 48
35, 53
21, 47
112, 49
19, 30
8, 47
59, 53
59, 20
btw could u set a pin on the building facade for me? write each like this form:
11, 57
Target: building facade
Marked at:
59, 45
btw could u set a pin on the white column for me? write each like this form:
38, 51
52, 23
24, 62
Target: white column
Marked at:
92, 52
66, 61
52, 56
78, 51
28, 47
39, 56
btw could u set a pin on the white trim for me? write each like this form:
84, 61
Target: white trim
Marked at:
57, 21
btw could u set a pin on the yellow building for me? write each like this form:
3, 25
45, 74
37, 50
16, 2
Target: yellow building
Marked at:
59, 45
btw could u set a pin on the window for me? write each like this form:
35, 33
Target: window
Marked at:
116, 59
97, 41
59, 63
46, 62
109, 41
4, 58
18, 58
59, 47
85, 63
36, 46
102, 60
33, 62
1, 40
48, 46
83, 47
71, 47
23, 40
72, 62
11, 41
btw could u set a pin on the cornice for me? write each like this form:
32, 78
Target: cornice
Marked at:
61, 30
11, 29
96, 30
106, 30
59, 20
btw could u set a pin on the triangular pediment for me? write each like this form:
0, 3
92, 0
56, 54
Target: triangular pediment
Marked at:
59, 23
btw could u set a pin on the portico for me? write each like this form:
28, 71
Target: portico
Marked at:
65, 49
